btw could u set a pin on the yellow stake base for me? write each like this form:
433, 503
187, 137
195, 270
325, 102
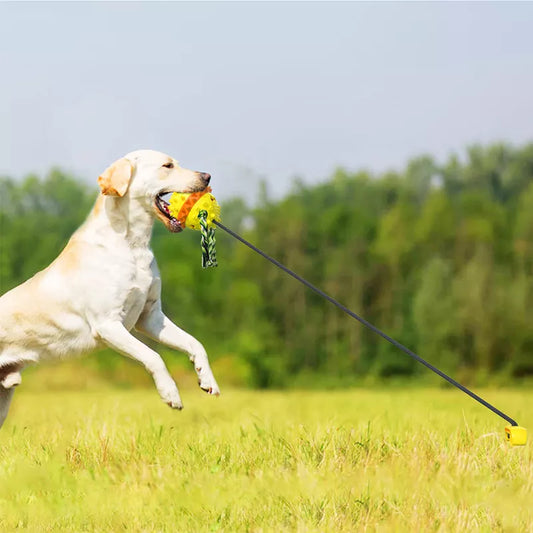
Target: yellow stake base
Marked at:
516, 435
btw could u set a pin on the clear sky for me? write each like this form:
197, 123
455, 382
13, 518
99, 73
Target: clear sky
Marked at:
248, 90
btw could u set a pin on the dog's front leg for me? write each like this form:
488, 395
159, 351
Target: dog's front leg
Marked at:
158, 326
115, 335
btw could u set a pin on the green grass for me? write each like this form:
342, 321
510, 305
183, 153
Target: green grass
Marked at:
376, 460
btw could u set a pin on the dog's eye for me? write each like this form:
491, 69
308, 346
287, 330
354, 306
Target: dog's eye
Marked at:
169, 165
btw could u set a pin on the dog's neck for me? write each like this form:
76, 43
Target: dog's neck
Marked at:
127, 219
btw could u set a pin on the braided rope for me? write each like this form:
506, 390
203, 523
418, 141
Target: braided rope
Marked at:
209, 257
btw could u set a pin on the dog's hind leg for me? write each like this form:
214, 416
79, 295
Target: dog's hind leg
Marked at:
10, 375
5, 401
9, 379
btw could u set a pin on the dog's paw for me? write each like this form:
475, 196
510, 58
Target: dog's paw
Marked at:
175, 404
199, 359
209, 384
172, 398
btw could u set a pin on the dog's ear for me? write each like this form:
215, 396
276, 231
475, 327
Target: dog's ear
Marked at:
116, 178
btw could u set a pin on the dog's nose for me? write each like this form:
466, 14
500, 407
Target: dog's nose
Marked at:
205, 177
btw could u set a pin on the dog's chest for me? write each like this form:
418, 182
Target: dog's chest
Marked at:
136, 294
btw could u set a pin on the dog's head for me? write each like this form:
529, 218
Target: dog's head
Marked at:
150, 177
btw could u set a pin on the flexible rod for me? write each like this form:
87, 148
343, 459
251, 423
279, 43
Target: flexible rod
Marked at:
368, 325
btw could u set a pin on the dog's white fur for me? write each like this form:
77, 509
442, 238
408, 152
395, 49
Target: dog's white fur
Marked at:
103, 284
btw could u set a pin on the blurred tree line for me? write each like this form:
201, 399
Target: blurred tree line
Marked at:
438, 256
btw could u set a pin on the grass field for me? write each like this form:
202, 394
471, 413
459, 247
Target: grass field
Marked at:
387, 460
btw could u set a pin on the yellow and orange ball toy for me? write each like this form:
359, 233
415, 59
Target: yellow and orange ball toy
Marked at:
198, 210
185, 208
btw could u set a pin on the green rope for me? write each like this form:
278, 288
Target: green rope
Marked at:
209, 255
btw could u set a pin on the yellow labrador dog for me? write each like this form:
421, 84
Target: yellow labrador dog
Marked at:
105, 283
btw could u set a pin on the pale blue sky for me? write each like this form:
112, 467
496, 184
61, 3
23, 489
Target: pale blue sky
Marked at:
273, 90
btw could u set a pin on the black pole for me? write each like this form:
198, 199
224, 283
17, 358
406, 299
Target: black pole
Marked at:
369, 325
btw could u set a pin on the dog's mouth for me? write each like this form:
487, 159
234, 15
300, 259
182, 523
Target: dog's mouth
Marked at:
162, 203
